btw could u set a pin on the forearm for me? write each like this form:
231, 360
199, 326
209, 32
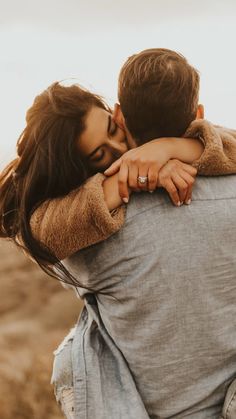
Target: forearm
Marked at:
111, 192
219, 156
186, 150
78, 220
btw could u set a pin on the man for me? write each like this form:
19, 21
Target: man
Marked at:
159, 338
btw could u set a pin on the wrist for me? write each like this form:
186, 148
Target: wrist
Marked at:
184, 149
167, 147
111, 192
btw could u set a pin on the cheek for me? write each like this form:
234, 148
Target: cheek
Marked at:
103, 165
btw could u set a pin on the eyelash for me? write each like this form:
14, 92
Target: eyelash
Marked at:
97, 159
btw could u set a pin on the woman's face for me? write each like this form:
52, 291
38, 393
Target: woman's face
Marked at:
102, 141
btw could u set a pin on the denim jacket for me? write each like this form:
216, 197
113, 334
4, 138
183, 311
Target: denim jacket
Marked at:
90, 364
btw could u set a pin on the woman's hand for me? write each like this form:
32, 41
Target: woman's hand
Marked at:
139, 168
144, 161
178, 179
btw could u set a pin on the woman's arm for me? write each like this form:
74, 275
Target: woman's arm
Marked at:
213, 154
219, 155
92, 213
148, 159
87, 215
78, 220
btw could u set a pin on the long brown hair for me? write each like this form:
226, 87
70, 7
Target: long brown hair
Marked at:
48, 165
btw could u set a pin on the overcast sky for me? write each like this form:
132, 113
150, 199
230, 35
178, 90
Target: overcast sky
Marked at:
49, 40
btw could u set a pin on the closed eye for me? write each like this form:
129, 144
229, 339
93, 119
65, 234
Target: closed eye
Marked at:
99, 155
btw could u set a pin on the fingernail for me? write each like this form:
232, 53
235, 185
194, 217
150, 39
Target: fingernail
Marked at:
126, 200
189, 202
178, 204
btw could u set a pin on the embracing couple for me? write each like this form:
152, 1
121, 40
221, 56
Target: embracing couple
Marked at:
157, 335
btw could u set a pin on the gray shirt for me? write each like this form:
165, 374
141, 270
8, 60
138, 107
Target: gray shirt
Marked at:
165, 298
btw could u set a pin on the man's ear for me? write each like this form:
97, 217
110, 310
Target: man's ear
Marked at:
200, 112
120, 121
118, 116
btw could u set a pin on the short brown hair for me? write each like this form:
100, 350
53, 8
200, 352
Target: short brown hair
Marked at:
158, 93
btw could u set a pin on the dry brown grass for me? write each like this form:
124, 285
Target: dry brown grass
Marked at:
36, 313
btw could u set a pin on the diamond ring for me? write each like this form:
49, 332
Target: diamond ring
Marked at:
142, 179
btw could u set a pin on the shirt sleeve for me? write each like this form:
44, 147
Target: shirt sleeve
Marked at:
68, 224
219, 155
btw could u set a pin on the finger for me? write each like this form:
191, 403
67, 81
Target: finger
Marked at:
133, 177
181, 185
187, 177
172, 191
189, 169
123, 182
113, 168
152, 179
188, 197
143, 172
190, 181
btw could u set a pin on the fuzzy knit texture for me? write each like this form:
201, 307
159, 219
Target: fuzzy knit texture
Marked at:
219, 155
80, 219
77, 220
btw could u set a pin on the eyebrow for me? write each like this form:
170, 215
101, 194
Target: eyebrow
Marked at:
108, 130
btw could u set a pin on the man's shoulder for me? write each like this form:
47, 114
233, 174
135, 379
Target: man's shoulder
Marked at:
154, 227
215, 187
206, 188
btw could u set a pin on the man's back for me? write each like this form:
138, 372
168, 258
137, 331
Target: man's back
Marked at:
166, 293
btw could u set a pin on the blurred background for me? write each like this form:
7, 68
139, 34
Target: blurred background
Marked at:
86, 42
89, 40
36, 312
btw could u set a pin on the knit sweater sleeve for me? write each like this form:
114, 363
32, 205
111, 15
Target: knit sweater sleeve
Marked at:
219, 155
68, 224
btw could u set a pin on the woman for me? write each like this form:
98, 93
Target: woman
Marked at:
69, 136
51, 163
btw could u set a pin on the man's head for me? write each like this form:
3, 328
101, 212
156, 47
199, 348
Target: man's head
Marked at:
158, 93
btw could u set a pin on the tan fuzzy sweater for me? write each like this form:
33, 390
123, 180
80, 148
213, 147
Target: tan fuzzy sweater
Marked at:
77, 220
80, 219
